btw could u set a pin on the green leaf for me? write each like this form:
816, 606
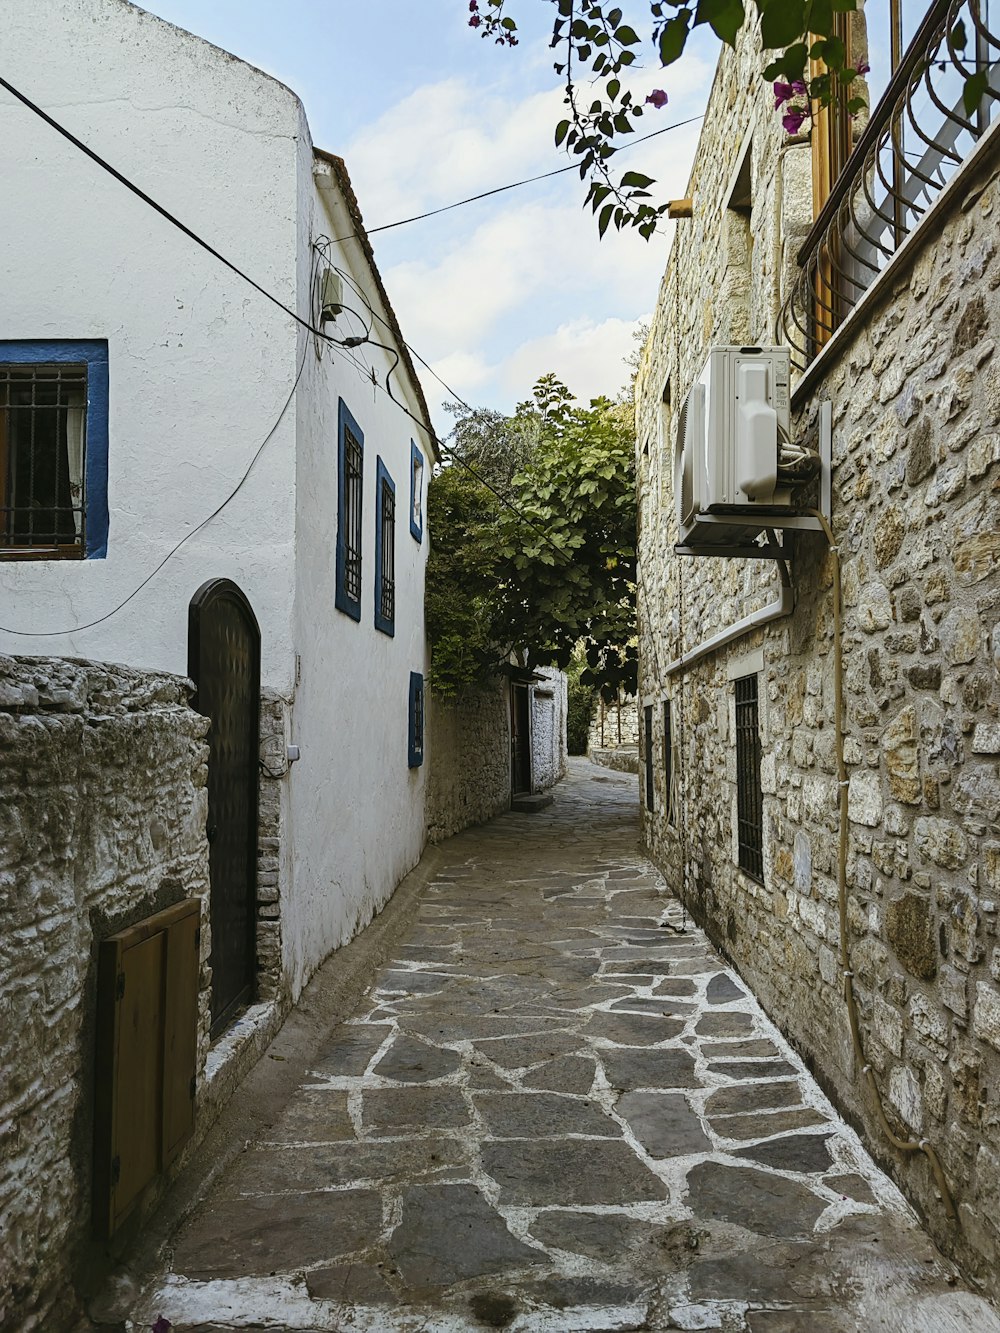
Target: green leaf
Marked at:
637, 179
562, 129
626, 36
604, 219
974, 91
958, 37
613, 88
725, 17
672, 39
781, 24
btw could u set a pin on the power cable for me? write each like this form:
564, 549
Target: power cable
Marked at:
306, 324
158, 208
514, 185
78, 629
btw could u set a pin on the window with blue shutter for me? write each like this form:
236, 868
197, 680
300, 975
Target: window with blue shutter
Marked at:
350, 502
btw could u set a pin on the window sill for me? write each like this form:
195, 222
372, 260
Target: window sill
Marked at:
41, 553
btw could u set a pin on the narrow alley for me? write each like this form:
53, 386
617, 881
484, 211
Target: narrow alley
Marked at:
554, 1108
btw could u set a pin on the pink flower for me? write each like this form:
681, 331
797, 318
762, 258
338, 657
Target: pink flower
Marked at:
473, 6
475, 21
863, 67
162, 1325
783, 92
792, 121
657, 98
799, 88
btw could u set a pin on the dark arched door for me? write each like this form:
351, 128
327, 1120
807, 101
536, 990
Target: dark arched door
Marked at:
224, 663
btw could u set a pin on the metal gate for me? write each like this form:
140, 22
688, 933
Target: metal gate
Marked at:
224, 663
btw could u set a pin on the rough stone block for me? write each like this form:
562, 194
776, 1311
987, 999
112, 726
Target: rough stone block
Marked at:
986, 1014
864, 805
909, 929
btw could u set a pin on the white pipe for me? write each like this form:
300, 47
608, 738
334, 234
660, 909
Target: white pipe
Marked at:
783, 606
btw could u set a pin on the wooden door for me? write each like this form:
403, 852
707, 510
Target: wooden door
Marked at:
224, 663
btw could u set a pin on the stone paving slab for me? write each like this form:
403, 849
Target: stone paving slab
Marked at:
556, 1110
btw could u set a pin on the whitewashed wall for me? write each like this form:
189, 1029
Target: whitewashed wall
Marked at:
201, 368
548, 729
200, 365
357, 818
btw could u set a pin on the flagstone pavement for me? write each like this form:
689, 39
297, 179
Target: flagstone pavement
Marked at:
556, 1109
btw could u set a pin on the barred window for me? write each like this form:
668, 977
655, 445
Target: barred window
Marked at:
415, 728
749, 799
648, 720
350, 500
53, 449
668, 761
385, 551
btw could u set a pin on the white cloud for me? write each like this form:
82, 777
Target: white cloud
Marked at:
589, 358
498, 292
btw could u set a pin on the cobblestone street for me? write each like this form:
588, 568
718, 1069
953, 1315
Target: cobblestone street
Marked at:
552, 1111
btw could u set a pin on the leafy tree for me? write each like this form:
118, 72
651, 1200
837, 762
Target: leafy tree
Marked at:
552, 567
596, 45
580, 700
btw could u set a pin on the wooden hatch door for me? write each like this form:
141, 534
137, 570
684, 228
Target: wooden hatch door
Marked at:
147, 1050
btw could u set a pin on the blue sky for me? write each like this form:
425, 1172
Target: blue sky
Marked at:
424, 112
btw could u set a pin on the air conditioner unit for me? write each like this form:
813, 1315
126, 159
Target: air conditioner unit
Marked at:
729, 434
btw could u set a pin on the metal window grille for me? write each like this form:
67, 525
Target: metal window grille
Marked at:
417, 739
387, 573
915, 140
668, 759
43, 428
648, 718
749, 799
352, 515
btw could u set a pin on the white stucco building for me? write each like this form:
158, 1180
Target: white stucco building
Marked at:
149, 396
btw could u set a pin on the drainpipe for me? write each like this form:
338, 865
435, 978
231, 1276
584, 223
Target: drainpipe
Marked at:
782, 606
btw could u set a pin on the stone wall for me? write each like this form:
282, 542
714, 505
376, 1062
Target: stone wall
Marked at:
914, 380
103, 805
468, 752
274, 732
548, 728
614, 724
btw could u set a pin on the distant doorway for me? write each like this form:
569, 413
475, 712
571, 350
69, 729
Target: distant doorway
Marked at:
520, 739
224, 663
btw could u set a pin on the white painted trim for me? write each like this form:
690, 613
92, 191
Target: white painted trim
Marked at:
747, 664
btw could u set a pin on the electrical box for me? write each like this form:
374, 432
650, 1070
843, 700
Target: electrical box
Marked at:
331, 294
731, 429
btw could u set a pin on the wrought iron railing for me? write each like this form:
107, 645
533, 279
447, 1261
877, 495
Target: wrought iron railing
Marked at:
916, 138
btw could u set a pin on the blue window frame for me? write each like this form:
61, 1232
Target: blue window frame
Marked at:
417, 468
415, 721
54, 449
350, 505
385, 550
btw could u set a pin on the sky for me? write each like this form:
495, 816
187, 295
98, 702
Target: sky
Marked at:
499, 292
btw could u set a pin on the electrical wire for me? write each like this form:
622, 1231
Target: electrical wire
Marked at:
78, 629
514, 185
304, 323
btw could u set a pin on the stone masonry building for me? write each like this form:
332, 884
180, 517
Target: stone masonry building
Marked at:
880, 268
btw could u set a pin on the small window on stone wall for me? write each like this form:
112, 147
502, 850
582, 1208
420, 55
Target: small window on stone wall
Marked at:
668, 761
648, 739
749, 799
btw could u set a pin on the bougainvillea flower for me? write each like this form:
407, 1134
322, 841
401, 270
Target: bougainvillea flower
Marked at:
473, 6
783, 92
792, 121
658, 98
863, 67
475, 21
